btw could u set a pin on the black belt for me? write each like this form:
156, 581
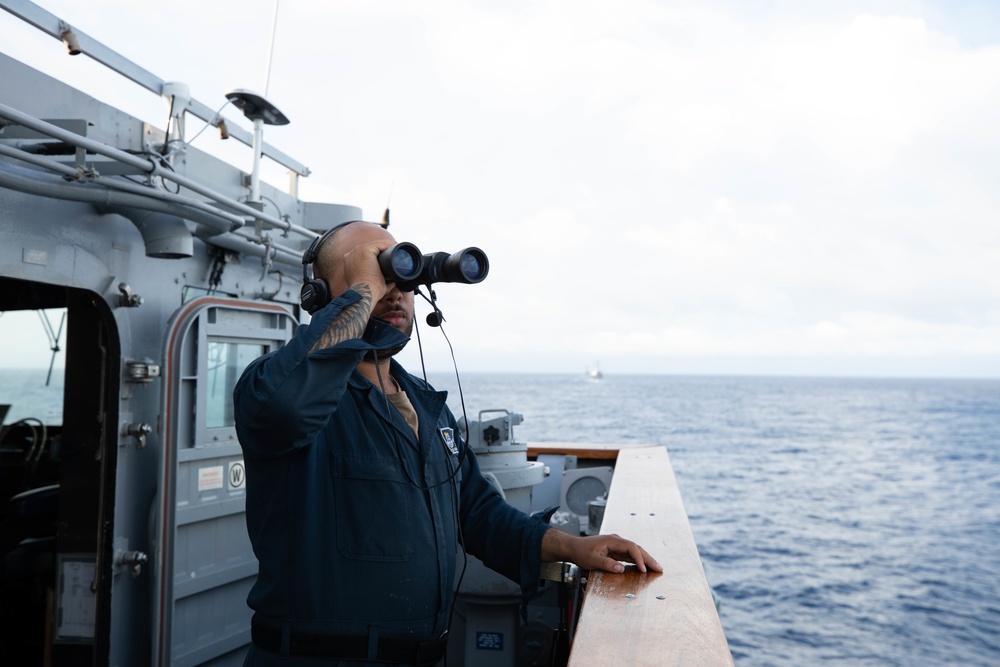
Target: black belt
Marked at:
333, 646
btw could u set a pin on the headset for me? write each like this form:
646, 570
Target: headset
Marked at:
315, 292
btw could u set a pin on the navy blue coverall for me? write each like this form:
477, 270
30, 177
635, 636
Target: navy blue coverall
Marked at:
351, 516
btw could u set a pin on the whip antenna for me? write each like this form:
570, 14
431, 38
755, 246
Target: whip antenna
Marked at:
385, 216
270, 56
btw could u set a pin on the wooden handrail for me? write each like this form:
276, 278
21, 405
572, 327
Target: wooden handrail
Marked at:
581, 450
653, 619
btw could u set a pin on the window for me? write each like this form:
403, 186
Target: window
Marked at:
226, 362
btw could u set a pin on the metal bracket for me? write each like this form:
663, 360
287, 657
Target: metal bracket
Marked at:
141, 370
139, 432
133, 560
564, 573
127, 298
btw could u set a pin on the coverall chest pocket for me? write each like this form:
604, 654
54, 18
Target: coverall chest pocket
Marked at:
377, 511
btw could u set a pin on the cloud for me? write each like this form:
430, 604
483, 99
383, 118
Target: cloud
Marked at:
694, 178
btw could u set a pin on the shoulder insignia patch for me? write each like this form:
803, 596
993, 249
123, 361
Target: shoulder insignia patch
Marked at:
448, 436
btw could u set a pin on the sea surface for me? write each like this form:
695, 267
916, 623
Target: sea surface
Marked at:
840, 521
32, 393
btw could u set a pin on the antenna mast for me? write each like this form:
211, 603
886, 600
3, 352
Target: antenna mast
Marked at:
270, 57
259, 110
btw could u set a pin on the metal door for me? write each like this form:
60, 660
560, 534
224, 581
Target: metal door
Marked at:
203, 561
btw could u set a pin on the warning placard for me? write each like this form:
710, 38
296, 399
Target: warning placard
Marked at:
210, 478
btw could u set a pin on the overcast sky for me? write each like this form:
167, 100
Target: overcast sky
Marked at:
805, 188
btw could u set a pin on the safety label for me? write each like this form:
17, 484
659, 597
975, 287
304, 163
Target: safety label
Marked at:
489, 641
210, 479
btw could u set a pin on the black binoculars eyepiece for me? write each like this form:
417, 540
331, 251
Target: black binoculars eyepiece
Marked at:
404, 265
400, 263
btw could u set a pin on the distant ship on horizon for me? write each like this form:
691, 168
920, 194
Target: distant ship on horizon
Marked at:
594, 372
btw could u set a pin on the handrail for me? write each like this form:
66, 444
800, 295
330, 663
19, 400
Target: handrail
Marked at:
148, 166
581, 450
51, 24
650, 619
225, 210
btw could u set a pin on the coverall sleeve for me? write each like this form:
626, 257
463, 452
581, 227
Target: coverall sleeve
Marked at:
506, 539
285, 397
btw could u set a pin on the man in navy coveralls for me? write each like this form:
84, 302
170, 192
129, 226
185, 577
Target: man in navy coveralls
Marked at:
358, 491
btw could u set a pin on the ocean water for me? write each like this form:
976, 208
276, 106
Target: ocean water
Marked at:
840, 521
29, 397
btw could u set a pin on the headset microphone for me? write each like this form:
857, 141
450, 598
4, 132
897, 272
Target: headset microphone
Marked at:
435, 319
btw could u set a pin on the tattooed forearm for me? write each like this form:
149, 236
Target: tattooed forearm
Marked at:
349, 323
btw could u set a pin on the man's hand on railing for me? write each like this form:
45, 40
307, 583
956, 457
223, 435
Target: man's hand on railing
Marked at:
597, 552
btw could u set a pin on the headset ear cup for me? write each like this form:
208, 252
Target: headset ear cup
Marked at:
314, 294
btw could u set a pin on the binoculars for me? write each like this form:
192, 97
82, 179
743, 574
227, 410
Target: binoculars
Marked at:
406, 266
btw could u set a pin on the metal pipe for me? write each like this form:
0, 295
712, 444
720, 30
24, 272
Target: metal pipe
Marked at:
37, 184
258, 138
147, 166
124, 185
56, 132
38, 160
187, 205
165, 235
250, 246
